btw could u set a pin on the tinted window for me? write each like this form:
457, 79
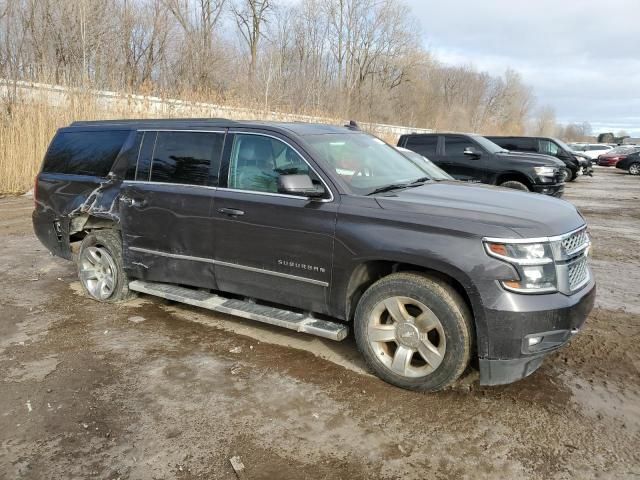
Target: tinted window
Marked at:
84, 153
423, 144
187, 157
257, 162
548, 147
132, 156
146, 152
455, 146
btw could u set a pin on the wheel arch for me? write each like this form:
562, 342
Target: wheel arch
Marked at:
365, 273
514, 176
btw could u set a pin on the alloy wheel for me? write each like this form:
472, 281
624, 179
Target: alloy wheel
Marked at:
406, 336
634, 169
98, 272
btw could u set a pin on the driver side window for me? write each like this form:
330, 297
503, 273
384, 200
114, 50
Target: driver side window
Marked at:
548, 147
257, 161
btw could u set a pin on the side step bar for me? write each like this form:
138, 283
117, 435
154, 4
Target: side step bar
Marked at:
273, 316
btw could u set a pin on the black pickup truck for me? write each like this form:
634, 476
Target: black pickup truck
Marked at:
473, 158
315, 228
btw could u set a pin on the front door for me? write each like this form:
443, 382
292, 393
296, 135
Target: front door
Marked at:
166, 207
462, 167
272, 246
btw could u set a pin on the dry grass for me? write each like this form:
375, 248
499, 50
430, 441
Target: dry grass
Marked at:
27, 127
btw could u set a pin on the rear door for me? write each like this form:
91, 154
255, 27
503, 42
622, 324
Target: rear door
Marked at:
166, 207
460, 166
272, 246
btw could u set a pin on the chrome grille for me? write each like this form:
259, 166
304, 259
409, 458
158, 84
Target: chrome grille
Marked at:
575, 242
577, 273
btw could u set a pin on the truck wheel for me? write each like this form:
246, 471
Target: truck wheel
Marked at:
634, 169
414, 332
100, 267
572, 175
515, 185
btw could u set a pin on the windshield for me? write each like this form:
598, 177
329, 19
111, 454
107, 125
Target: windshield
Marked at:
435, 172
562, 145
364, 162
488, 145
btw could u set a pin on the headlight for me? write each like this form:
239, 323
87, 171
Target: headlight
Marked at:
533, 262
545, 171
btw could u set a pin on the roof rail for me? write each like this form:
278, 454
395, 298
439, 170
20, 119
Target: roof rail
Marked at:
146, 120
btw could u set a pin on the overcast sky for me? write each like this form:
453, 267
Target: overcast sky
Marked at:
580, 56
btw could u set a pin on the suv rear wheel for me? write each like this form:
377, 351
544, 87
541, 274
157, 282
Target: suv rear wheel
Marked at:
414, 331
100, 267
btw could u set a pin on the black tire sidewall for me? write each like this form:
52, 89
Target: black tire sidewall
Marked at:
110, 241
515, 185
457, 330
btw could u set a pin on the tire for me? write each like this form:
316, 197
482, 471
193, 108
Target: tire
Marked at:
567, 175
634, 168
572, 175
433, 319
515, 185
100, 267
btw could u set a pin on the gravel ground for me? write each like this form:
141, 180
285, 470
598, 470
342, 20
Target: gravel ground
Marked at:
153, 389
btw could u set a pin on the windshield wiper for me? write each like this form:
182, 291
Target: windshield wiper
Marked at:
388, 188
420, 180
395, 186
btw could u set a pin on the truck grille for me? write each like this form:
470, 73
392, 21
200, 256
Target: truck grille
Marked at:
574, 242
577, 273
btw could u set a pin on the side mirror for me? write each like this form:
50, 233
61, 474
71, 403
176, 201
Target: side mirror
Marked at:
472, 152
299, 184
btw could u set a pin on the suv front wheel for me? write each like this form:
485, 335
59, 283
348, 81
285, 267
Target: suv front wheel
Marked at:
100, 267
414, 331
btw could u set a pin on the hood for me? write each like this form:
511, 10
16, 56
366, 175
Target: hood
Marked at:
532, 159
484, 209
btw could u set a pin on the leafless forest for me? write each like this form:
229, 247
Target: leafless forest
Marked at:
343, 59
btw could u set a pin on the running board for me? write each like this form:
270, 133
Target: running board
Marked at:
274, 316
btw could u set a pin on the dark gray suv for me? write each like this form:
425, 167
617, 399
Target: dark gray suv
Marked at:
315, 228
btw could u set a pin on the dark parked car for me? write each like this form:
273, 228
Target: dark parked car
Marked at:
630, 162
613, 156
314, 228
473, 158
574, 164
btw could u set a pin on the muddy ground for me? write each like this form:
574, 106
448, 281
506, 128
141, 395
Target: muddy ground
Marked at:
153, 390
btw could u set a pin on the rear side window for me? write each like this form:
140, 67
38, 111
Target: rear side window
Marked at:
191, 158
424, 145
85, 152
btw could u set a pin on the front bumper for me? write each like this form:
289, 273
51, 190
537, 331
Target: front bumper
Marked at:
510, 357
554, 190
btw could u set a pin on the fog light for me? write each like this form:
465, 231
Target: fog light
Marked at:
534, 341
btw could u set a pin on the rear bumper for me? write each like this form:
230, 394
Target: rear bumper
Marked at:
511, 357
554, 190
51, 232
607, 163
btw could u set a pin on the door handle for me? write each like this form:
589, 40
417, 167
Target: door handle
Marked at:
231, 212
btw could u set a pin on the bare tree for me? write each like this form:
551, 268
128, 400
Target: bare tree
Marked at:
250, 17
